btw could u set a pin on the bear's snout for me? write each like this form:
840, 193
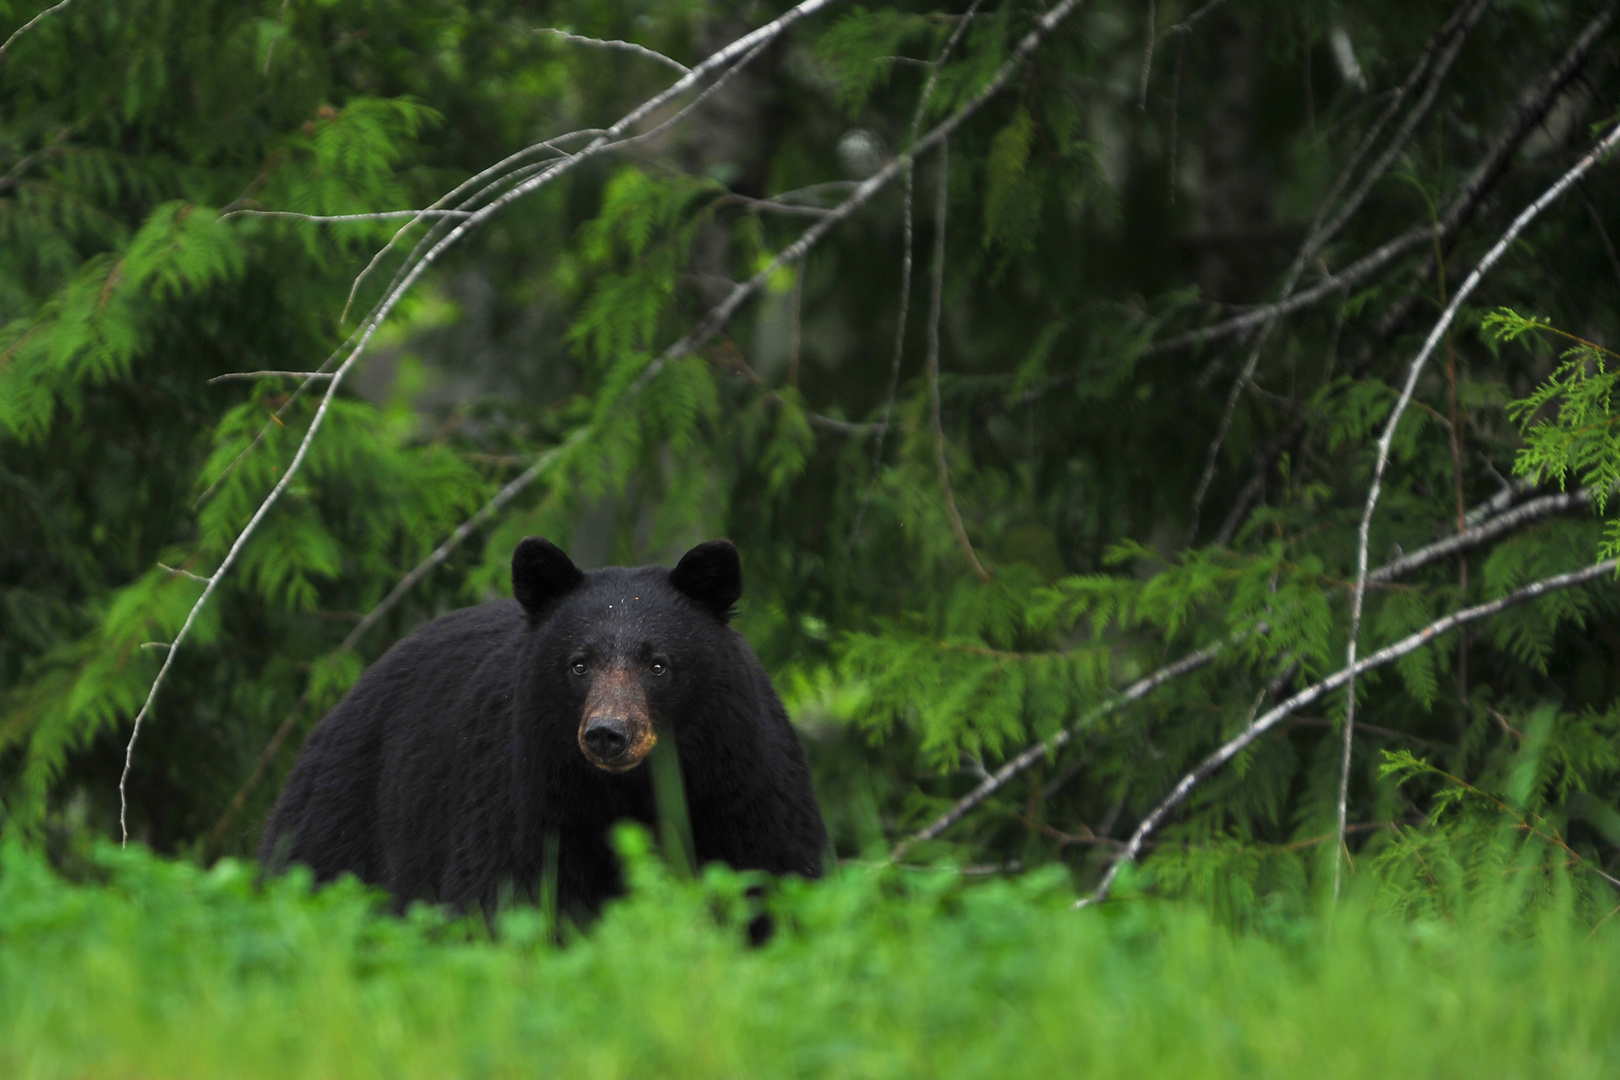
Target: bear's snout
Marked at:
616, 732
606, 737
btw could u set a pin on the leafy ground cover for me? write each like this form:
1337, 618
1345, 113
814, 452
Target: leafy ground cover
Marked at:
144, 967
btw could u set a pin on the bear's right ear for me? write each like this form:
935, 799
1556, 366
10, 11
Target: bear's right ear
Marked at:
542, 575
711, 574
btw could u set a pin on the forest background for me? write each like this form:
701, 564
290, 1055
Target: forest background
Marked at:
1091, 388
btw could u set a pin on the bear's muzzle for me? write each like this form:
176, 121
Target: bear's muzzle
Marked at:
616, 732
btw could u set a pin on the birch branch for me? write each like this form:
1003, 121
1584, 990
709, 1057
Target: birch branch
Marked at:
1314, 692
1416, 369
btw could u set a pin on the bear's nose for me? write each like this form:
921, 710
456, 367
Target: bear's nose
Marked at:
606, 737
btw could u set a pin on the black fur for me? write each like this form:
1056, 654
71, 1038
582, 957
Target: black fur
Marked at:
454, 763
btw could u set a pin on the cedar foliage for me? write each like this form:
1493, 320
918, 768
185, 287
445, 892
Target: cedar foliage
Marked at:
1079, 231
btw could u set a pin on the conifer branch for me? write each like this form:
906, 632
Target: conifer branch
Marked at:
1483, 529
711, 324
1358, 596
620, 46
1044, 749
741, 50
1315, 691
907, 217
1535, 102
1457, 29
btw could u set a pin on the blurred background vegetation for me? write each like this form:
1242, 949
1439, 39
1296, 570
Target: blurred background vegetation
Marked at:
940, 571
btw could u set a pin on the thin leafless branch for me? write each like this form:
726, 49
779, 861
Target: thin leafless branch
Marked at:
1449, 40
1358, 596
332, 219
1315, 691
907, 216
1536, 100
620, 46
936, 304
30, 24
233, 375
1484, 527
1042, 750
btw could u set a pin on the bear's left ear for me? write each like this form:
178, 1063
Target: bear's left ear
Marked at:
710, 574
542, 575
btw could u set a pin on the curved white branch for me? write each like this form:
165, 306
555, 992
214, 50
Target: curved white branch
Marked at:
1358, 595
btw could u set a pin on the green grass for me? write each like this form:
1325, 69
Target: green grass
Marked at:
154, 968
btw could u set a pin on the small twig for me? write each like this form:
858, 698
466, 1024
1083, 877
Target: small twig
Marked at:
1322, 231
275, 36
1358, 596
935, 313
775, 207
177, 572
230, 375
1386, 655
622, 46
907, 216
1040, 751
29, 25
329, 219
1186, 25
1147, 58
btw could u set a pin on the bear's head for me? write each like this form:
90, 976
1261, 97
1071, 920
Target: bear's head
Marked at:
633, 649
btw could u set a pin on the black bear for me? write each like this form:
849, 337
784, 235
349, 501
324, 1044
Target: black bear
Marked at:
493, 748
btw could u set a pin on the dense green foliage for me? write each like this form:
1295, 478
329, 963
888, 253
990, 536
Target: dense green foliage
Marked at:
157, 969
939, 570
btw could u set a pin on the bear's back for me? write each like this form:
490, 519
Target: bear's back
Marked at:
404, 720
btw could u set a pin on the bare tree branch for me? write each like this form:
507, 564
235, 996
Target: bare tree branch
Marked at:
1358, 596
1457, 29
330, 219
30, 24
1546, 506
621, 46
233, 375
906, 216
936, 305
1386, 655
1534, 104
1483, 528
1044, 749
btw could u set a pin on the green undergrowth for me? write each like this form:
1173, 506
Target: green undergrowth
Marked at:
141, 967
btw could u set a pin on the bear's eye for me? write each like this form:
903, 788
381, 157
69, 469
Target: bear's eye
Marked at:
657, 667
578, 667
